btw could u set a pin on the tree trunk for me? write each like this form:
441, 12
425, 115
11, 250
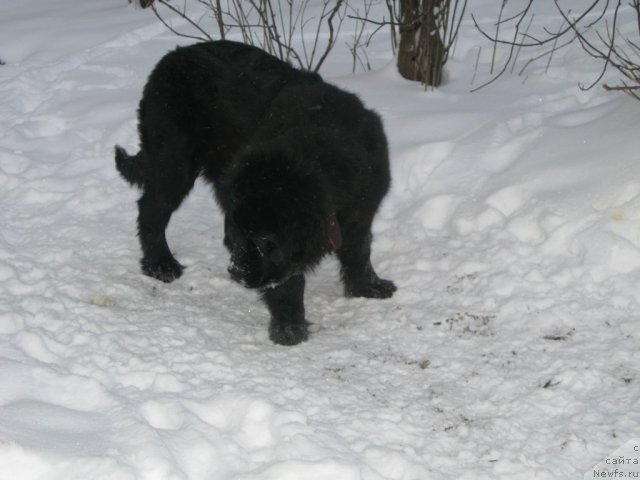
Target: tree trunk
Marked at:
421, 51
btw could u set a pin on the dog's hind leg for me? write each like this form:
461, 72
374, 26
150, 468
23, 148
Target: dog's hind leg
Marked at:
358, 275
161, 197
157, 260
286, 306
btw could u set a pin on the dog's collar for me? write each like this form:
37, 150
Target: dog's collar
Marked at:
335, 233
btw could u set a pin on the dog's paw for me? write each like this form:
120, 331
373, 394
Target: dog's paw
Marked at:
166, 271
377, 288
288, 334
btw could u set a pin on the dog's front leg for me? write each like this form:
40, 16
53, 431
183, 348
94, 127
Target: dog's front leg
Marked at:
286, 306
360, 279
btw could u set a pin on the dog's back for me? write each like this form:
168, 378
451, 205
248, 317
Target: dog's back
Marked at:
211, 97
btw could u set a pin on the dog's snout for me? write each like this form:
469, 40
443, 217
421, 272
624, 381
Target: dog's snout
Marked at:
234, 271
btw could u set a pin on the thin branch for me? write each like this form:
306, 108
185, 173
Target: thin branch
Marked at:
332, 35
555, 44
586, 45
542, 55
512, 44
605, 47
475, 68
183, 15
218, 14
498, 23
526, 32
621, 87
535, 43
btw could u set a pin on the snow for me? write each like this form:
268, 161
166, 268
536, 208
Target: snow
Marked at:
512, 230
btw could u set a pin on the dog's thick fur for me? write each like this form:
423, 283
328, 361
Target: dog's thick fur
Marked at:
299, 168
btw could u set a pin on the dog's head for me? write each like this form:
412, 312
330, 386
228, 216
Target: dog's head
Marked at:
279, 222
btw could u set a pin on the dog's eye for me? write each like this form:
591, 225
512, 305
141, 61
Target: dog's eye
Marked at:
268, 247
276, 256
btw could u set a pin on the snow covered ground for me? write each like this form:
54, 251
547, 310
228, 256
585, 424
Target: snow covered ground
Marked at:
510, 351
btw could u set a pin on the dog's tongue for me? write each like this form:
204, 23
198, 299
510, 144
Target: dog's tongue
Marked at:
335, 234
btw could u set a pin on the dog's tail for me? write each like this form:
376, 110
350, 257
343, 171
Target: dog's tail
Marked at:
129, 166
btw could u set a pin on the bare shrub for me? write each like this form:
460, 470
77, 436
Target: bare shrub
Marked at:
600, 37
273, 25
422, 32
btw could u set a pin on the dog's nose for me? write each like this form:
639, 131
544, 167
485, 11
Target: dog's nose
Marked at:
234, 272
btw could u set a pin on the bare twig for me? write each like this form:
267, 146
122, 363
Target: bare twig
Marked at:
328, 17
526, 32
535, 42
475, 68
608, 45
512, 45
590, 48
392, 29
357, 46
495, 44
217, 11
269, 24
183, 15
555, 44
544, 54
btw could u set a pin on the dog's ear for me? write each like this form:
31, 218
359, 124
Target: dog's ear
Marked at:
335, 233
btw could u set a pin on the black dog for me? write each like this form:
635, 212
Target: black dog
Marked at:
299, 168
